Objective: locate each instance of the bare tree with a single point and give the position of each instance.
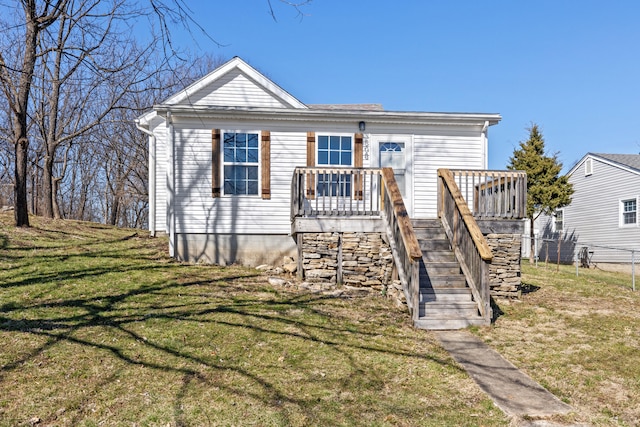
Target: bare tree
(78, 55)
(16, 82)
(6, 164)
(83, 79)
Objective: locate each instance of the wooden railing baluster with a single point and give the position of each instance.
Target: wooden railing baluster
(407, 253)
(469, 245)
(495, 194)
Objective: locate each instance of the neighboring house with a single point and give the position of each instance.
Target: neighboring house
(223, 153)
(602, 224)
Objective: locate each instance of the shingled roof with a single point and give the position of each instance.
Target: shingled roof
(351, 107)
(628, 160)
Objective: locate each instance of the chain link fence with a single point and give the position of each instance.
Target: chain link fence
(583, 255)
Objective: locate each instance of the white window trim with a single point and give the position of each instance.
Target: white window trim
(330, 134)
(223, 163)
(553, 221)
(588, 167)
(621, 223)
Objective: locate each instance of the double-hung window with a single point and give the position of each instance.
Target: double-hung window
(629, 212)
(335, 150)
(240, 163)
(558, 221)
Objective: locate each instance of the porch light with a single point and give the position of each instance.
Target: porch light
(362, 126)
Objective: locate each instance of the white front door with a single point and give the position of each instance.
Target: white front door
(392, 153)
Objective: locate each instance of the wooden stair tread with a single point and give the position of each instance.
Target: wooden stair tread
(449, 323)
(445, 300)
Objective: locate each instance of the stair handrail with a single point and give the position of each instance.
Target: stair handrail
(404, 243)
(469, 244)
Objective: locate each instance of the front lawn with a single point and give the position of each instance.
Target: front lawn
(577, 336)
(99, 327)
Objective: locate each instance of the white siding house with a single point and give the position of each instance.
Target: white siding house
(602, 219)
(223, 152)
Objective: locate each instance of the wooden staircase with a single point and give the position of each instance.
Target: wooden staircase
(446, 301)
(438, 294)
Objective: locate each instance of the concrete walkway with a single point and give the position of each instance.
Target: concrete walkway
(510, 389)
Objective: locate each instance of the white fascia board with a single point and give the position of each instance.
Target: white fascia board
(145, 119)
(251, 72)
(383, 117)
(578, 164)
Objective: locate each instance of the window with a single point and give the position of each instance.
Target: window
(334, 150)
(629, 212)
(558, 221)
(240, 163)
(588, 167)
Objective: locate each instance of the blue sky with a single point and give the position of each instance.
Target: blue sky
(571, 67)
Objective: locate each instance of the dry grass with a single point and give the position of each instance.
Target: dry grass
(579, 337)
(99, 327)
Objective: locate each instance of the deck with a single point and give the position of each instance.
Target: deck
(443, 265)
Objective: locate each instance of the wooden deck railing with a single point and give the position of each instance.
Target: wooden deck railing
(335, 191)
(407, 253)
(470, 246)
(493, 194)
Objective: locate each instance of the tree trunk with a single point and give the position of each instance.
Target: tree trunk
(47, 187)
(57, 213)
(20, 108)
(115, 207)
(532, 242)
(21, 211)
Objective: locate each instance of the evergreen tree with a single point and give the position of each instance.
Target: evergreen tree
(546, 189)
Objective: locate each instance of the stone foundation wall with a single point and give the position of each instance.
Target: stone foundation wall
(320, 257)
(353, 259)
(365, 260)
(504, 272)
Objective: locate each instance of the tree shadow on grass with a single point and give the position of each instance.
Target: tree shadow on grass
(231, 307)
(134, 311)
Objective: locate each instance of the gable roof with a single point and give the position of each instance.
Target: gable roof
(629, 162)
(236, 64)
(189, 102)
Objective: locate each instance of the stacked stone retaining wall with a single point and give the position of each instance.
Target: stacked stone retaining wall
(365, 260)
(504, 271)
(354, 259)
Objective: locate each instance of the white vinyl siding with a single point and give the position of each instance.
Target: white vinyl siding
(429, 148)
(237, 90)
(159, 130)
(198, 212)
(431, 152)
(550, 240)
(593, 217)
